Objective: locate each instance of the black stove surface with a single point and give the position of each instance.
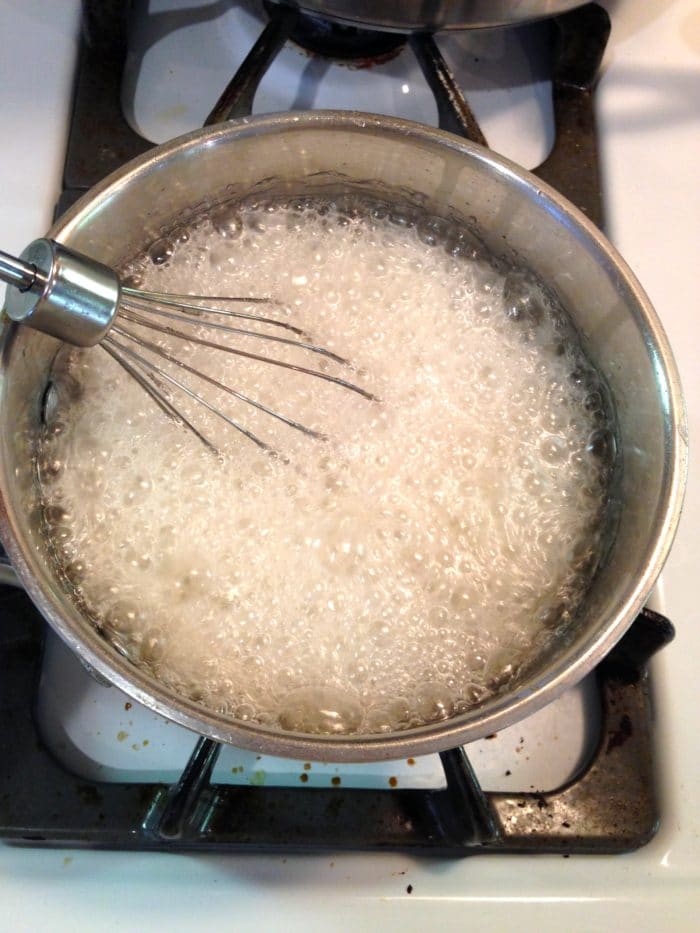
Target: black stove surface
(611, 806)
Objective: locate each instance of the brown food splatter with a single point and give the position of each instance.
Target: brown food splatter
(619, 736)
(127, 706)
(393, 782)
(304, 777)
(335, 781)
(410, 761)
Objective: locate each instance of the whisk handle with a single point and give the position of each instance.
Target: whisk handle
(61, 292)
(13, 271)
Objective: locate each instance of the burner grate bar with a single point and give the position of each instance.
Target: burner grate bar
(610, 807)
(454, 113)
(237, 98)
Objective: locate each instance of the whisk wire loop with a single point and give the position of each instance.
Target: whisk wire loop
(156, 395)
(186, 303)
(236, 351)
(77, 299)
(127, 312)
(157, 372)
(163, 354)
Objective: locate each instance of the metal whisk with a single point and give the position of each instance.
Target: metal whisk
(81, 301)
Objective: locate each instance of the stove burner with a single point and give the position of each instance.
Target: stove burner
(610, 807)
(349, 45)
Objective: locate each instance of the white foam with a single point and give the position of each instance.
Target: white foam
(401, 571)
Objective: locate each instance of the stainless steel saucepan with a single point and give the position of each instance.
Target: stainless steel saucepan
(515, 215)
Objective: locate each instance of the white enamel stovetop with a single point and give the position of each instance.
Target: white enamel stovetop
(649, 112)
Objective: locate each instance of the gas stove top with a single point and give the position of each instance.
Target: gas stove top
(188, 52)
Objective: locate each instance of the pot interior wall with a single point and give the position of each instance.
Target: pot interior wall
(515, 220)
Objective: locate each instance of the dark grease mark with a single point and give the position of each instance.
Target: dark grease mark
(89, 794)
(619, 736)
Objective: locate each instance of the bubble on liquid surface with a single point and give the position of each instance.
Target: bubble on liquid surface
(398, 573)
(321, 710)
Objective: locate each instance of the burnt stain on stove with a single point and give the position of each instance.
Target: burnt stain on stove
(342, 44)
(335, 805)
(89, 795)
(618, 737)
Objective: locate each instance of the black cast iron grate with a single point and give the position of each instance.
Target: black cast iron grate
(610, 807)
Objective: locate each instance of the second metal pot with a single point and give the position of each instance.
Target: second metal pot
(419, 16)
